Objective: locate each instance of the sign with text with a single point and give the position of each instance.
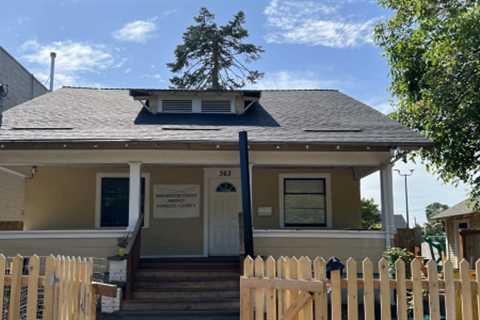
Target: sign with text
(176, 201)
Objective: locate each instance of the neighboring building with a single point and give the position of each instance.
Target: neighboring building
(100, 158)
(462, 224)
(22, 86)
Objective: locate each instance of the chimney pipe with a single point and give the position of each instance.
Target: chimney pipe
(53, 55)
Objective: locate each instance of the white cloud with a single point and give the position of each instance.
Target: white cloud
(73, 60)
(312, 23)
(295, 80)
(136, 31)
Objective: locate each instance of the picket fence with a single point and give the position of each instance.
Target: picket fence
(58, 288)
(290, 288)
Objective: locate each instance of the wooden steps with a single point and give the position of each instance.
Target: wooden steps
(193, 288)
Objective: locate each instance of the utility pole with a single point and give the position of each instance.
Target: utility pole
(405, 176)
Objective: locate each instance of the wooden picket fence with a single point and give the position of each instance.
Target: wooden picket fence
(290, 288)
(61, 288)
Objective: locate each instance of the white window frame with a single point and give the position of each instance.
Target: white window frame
(98, 197)
(328, 197)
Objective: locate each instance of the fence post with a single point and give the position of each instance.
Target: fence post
(402, 308)
(281, 263)
(246, 303)
(321, 303)
(477, 272)
(32, 291)
(15, 287)
(271, 293)
(416, 267)
(49, 288)
(385, 298)
(305, 273)
(336, 295)
(259, 293)
(368, 293)
(434, 299)
(2, 279)
(467, 313)
(352, 287)
(450, 301)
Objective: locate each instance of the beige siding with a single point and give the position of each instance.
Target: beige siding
(345, 196)
(174, 236)
(99, 248)
(12, 193)
(323, 247)
(65, 197)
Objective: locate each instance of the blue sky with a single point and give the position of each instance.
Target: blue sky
(308, 44)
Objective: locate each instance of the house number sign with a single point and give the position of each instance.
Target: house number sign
(176, 201)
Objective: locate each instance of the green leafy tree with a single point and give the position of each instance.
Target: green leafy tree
(433, 209)
(433, 227)
(433, 48)
(370, 214)
(215, 57)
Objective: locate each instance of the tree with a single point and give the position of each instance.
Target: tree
(434, 227)
(215, 57)
(433, 209)
(370, 214)
(433, 48)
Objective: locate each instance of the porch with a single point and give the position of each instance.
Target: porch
(191, 201)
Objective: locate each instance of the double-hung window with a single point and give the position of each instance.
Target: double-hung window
(304, 202)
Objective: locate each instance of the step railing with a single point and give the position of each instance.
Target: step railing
(133, 252)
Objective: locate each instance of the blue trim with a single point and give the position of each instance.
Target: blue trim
(246, 201)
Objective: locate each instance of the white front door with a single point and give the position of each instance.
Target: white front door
(224, 204)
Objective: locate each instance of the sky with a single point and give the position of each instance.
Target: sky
(308, 44)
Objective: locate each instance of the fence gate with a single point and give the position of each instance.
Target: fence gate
(50, 288)
(291, 288)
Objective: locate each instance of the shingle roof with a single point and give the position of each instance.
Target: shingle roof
(460, 209)
(287, 116)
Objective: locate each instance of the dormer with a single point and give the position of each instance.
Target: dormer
(171, 101)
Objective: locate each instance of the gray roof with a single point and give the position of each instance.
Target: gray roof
(460, 209)
(280, 116)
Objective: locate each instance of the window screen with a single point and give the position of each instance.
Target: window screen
(304, 202)
(177, 106)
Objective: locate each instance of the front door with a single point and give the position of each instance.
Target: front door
(224, 204)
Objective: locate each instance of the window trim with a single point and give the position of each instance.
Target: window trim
(328, 198)
(98, 197)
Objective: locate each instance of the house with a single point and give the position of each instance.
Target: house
(19, 86)
(462, 224)
(95, 161)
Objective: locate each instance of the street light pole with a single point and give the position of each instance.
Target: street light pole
(405, 176)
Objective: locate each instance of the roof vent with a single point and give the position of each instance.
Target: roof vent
(216, 106)
(177, 106)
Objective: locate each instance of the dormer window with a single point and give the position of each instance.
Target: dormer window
(217, 106)
(177, 106)
(196, 101)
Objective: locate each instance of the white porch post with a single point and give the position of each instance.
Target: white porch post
(134, 194)
(386, 184)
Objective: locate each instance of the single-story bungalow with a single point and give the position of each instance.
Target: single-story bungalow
(204, 172)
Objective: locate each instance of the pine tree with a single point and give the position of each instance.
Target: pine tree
(214, 57)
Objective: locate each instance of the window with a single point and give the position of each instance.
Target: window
(304, 202)
(216, 106)
(113, 202)
(226, 187)
(177, 106)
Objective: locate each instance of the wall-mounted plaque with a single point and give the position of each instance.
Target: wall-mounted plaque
(176, 201)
